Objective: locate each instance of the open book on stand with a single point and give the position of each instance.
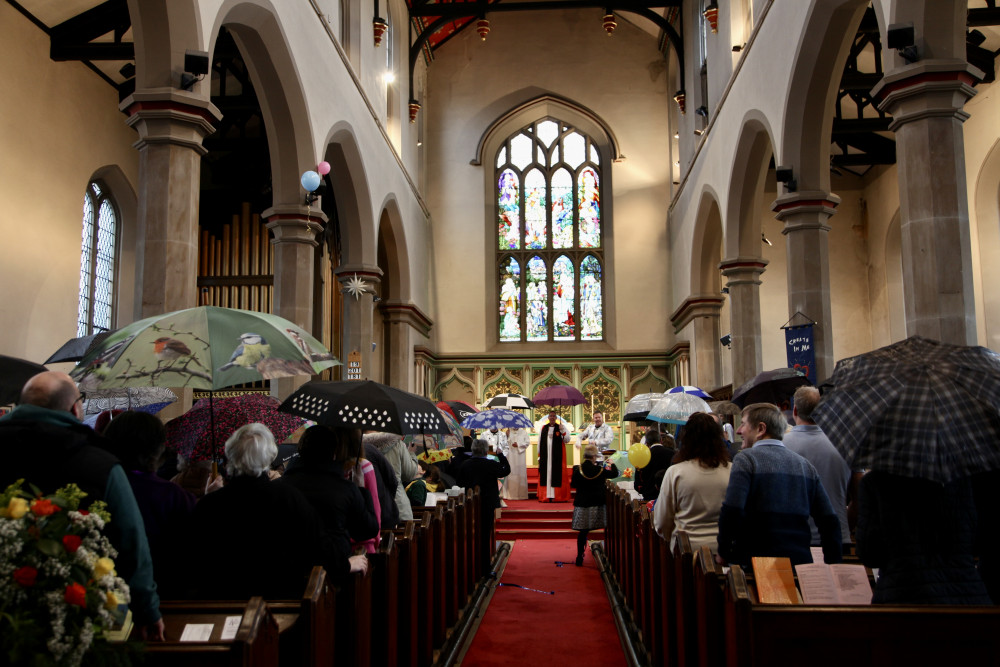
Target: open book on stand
(841, 583)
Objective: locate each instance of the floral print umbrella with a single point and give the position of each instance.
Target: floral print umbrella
(191, 434)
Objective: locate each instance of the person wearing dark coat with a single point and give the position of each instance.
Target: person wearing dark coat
(385, 475)
(551, 453)
(590, 503)
(253, 536)
(660, 456)
(922, 537)
(347, 512)
(485, 473)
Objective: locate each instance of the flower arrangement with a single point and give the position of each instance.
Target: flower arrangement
(58, 589)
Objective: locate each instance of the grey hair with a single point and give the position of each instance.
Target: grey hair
(480, 447)
(769, 415)
(250, 450)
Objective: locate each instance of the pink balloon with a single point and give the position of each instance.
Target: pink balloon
(323, 168)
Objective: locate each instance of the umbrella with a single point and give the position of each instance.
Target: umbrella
(14, 373)
(560, 395)
(142, 399)
(194, 436)
(725, 408)
(453, 438)
(918, 408)
(365, 404)
(639, 406)
(203, 348)
(770, 387)
(688, 389)
(496, 418)
(676, 408)
(457, 409)
(76, 348)
(510, 402)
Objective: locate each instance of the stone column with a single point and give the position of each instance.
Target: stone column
(294, 228)
(171, 127)
(807, 246)
(743, 274)
(926, 100)
(402, 318)
(359, 284)
(703, 311)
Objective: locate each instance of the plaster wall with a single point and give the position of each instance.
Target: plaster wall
(622, 79)
(58, 127)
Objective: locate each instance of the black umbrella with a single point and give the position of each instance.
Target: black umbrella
(14, 373)
(76, 348)
(918, 408)
(366, 405)
(510, 402)
(770, 387)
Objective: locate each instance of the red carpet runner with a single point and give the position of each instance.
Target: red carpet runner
(524, 627)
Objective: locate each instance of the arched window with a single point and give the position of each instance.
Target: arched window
(550, 235)
(97, 261)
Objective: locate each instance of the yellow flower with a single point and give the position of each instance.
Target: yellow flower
(111, 600)
(17, 508)
(103, 566)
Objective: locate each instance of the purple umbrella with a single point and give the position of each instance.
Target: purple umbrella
(560, 395)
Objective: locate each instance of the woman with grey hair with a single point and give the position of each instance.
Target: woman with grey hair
(253, 537)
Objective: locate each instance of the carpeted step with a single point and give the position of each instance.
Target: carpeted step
(543, 534)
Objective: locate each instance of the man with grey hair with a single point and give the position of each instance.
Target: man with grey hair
(46, 444)
(808, 441)
(485, 472)
(772, 493)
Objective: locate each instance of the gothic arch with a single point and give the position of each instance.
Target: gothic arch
(986, 211)
(354, 207)
(706, 245)
(162, 30)
(752, 153)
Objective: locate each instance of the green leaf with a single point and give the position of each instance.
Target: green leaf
(51, 547)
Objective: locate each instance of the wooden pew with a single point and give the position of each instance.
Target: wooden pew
(386, 594)
(473, 555)
(354, 614)
(462, 563)
(450, 558)
(687, 637)
(644, 582)
(861, 636)
(434, 570)
(407, 607)
(709, 584)
(426, 583)
(666, 598)
(255, 643)
(308, 626)
(657, 600)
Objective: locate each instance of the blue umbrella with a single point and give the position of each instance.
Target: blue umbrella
(688, 389)
(496, 418)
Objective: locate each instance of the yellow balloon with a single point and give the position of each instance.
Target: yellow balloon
(638, 455)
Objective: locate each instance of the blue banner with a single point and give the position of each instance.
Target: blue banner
(800, 352)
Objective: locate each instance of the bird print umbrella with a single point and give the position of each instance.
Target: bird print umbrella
(203, 348)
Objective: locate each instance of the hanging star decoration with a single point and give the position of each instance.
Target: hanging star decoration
(356, 287)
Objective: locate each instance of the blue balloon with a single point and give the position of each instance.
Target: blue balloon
(310, 180)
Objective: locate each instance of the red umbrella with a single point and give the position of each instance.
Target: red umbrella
(560, 395)
(457, 409)
(192, 436)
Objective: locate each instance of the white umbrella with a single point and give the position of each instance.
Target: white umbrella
(676, 408)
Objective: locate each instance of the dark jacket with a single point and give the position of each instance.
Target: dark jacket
(484, 473)
(588, 480)
(51, 449)
(253, 537)
(921, 535)
(346, 512)
(660, 457)
(558, 452)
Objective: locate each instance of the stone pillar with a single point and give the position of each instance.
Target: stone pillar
(805, 215)
(743, 274)
(171, 127)
(294, 228)
(703, 311)
(926, 100)
(359, 284)
(402, 318)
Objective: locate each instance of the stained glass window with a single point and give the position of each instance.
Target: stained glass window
(548, 174)
(97, 262)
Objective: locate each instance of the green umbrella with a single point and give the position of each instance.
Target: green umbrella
(203, 348)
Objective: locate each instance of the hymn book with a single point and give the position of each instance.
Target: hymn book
(775, 580)
(841, 583)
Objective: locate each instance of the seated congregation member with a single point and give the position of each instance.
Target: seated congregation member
(253, 536)
(485, 473)
(693, 488)
(45, 443)
(772, 493)
(140, 440)
(387, 484)
(427, 481)
(345, 506)
(590, 503)
(192, 476)
(922, 537)
(404, 466)
(660, 456)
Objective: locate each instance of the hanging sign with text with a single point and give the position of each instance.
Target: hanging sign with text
(353, 366)
(800, 351)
